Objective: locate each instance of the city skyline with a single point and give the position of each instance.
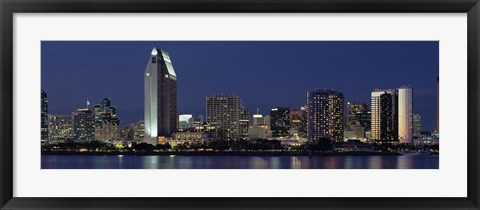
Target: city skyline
(128, 116)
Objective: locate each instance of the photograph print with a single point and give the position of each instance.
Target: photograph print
(239, 105)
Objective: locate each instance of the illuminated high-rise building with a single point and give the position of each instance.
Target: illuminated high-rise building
(405, 115)
(136, 131)
(280, 122)
(303, 129)
(356, 112)
(44, 118)
(296, 118)
(417, 125)
(161, 117)
(224, 114)
(384, 123)
(325, 115)
(107, 124)
(357, 120)
(257, 119)
(244, 122)
(83, 125)
(59, 128)
(388, 117)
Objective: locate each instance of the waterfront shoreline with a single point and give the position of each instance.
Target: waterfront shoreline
(201, 153)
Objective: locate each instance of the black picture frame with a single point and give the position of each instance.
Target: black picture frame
(10, 7)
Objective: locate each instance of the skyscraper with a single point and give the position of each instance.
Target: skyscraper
(136, 131)
(325, 115)
(296, 118)
(355, 113)
(280, 122)
(83, 125)
(59, 128)
(106, 121)
(388, 117)
(405, 115)
(384, 123)
(357, 120)
(44, 118)
(417, 125)
(303, 129)
(244, 122)
(257, 119)
(161, 116)
(224, 113)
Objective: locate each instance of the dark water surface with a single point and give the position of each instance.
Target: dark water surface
(237, 162)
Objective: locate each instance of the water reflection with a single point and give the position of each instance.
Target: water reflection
(238, 162)
(295, 163)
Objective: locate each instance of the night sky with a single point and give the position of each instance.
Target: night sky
(263, 74)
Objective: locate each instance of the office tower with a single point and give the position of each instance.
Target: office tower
(296, 118)
(223, 113)
(161, 116)
(384, 123)
(136, 131)
(388, 118)
(405, 112)
(355, 114)
(44, 118)
(244, 122)
(364, 119)
(280, 122)
(303, 129)
(59, 128)
(257, 119)
(83, 125)
(325, 115)
(267, 121)
(417, 125)
(258, 129)
(357, 120)
(106, 121)
(185, 121)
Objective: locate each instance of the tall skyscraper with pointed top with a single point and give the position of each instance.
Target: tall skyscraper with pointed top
(161, 116)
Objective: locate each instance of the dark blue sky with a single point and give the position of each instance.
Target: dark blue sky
(263, 74)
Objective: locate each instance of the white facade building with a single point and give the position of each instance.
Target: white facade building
(161, 118)
(405, 115)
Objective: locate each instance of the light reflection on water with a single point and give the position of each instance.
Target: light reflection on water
(237, 162)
